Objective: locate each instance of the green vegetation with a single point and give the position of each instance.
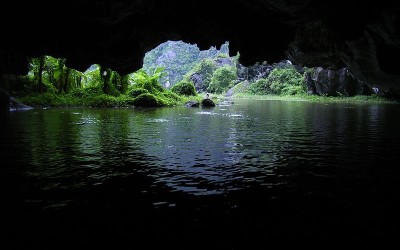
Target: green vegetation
(222, 79)
(315, 98)
(184, 88)
(281, 81)
(50, 83)
(205, 68)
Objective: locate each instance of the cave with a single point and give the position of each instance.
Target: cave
(117, 34)
(232, 176)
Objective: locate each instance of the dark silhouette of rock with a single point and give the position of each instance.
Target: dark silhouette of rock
(310, 84)
(334, 82)
(207, 103)
(17, 106)
(4, 101)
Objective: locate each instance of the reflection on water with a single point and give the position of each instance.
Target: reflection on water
(239, 176)
(200, 152)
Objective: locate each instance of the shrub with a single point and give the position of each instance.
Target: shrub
(286, 81)
(261, 86)
(222, 79)
(146, 100)
(241, 87)
(184, 88)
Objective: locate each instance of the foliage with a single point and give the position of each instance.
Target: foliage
(92, 76)
(222, 79)
(222, 55)
(150, 82)
(146, 100)
(135, 92)
(50, 83)
(286, 81)
(104, 100)
(241, 87)
(205, 68)
(43, 100)
(148, 90)
(184, 88)
(168, 98)
(261, 86)
(281, 81)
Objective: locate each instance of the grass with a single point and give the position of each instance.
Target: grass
(321, 99)
(103, 100)
(93, 100)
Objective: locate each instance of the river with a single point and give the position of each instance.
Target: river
(248, 175)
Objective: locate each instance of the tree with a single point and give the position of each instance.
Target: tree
(222, 79)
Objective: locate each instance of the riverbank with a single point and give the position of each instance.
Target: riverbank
(47, 100)
(321, 99)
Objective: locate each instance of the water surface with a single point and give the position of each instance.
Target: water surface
(292, 169)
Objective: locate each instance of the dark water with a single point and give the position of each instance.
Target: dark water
(250, 175)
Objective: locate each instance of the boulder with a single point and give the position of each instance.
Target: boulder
(207, 103)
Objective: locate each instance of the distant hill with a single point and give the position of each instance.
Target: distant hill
(178, 58)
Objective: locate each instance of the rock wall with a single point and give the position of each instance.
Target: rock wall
(334, 83)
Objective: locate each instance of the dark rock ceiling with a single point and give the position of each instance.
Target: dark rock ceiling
(362, 35)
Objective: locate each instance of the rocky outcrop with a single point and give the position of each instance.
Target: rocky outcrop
(334, 83)
(17, 106)
(178, 58)
(198, 81)
(369, 53)
(220, 62)
(8, 103)
(255, 72)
